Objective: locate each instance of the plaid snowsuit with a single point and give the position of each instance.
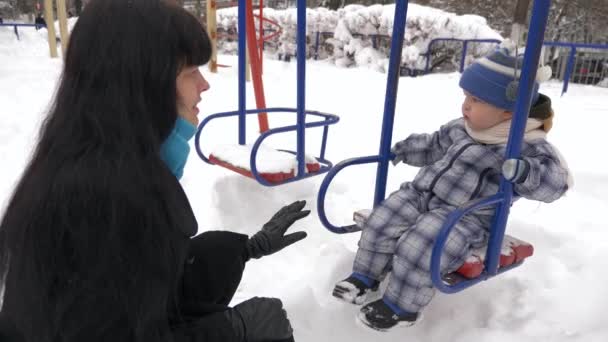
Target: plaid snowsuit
(455, 169)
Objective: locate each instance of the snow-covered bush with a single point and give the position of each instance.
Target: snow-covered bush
(359, 35)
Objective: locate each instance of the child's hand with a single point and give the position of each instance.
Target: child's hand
(515, 170)
(395, 157)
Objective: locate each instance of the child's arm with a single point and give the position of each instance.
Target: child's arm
(424, 149)
(541, 176)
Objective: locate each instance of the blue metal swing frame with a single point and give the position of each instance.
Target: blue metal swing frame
(300, 110)
(502, 199)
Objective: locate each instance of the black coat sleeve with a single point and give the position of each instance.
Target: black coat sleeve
(210, 328)
(213, 269)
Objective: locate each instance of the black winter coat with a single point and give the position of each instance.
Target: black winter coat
(212, 266)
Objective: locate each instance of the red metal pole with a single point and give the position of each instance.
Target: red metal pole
(256, 71)
(261, 44)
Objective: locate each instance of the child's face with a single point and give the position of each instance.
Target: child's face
(481, 115)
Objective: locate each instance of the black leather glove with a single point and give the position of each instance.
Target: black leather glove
(272, 237)
(260, 319)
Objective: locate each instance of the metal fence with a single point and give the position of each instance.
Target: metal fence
(578, 63)
(16, 26)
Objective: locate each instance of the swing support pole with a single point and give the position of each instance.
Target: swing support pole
(390, 100)
(538, 24)
(504, 197)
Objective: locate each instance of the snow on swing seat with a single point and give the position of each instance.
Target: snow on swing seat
(273, 165)
(513, 251)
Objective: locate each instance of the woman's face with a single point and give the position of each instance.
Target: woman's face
(190, 85)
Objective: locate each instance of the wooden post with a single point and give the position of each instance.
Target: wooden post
(49, 17)
(212, 29)
(63, 25)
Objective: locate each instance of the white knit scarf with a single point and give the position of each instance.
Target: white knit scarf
(499, 134)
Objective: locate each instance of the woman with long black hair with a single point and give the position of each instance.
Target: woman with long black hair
(96, 242)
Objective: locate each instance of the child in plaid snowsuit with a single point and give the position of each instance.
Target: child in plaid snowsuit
(461, 162)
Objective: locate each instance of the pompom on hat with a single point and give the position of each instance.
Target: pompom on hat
(494, 78)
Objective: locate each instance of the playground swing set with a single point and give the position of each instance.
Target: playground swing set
(274, 167)
(503, 252)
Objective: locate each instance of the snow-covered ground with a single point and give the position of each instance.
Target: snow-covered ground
(557, 295)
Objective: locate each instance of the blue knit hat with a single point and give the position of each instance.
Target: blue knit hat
(494, 78)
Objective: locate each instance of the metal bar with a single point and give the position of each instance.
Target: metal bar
(261, 40)
(242, 48)
(596, 70)
(324, 142)
(328, 119)
(463, 56)
(21, 25)
(255, 60)
(586, 65)
(443, 235)
(325, 185)
(253, 163)
(317, 45)
(569, 68)
(464, 49)
(538, 24)
(428, 56)
(577, 45)
(392, 85)
(301, 96)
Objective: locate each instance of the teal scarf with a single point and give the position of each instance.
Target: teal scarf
(174, 151)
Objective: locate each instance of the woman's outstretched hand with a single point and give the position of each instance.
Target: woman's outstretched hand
(272, 237)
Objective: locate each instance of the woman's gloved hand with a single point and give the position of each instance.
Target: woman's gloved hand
(260, 319)
(272, 237)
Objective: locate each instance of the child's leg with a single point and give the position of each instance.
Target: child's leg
(377, 244)
(386, 224)
(410, 286)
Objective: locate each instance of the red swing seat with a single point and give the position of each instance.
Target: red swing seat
(513, 251)
(273, 165)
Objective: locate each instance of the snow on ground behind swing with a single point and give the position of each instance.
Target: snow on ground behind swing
(557, 295)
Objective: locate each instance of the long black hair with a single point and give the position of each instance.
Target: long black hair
(87, 222)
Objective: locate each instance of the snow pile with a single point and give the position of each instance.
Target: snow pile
(360, 35)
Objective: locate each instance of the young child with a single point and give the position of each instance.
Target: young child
(461, 162)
